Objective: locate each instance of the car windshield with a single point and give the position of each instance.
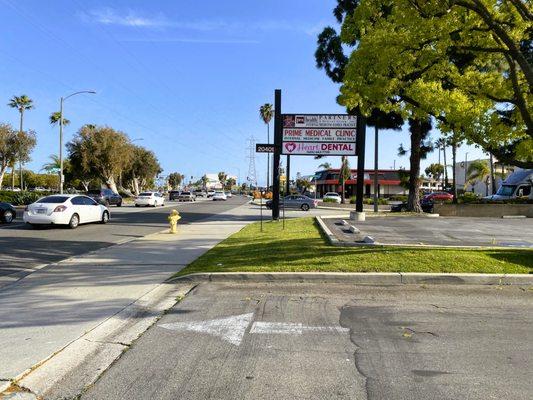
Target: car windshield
(146, 194)
(53, 199)
(332, 194)
(186, 193)
(219, 193)
(506, 190)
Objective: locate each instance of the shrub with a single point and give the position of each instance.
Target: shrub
(468, 197)
(329, 200)
(401, 198)
(20, 198)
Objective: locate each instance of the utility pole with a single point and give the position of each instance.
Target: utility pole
(376, 187)
(252, 175)
(466, 169)
(278, 132)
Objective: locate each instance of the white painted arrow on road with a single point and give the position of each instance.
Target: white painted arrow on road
(232, 329)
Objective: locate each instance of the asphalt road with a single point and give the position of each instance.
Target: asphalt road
(23, 247)
(275, 341)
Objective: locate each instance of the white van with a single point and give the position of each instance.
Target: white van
(518, 184)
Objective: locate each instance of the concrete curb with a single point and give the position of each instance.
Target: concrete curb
(329, 235)
(361, 278)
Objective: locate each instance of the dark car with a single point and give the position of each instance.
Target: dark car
(425, 204)
(105, 197)
(173, 195)
(7, 213)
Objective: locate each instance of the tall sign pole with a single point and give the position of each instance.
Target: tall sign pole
(361, 138)
(278, 132)
(288, 177)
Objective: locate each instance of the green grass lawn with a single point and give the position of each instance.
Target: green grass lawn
(301, 248)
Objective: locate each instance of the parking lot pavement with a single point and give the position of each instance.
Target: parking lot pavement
(329, 341)
(442, 231)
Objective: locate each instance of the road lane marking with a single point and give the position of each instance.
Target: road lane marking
(293, 328)
(232, 329)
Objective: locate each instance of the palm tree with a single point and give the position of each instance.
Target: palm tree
(266, 111)
(21, 103)
(55, 117)
(442, 143)
(52, 166)
(222, 177)
(325, 165)
(479, 170)
(204, 180)
(344, 175)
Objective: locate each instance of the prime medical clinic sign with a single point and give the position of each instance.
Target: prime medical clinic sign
(319, 134)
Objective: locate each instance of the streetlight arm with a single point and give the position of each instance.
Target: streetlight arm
(80, 92)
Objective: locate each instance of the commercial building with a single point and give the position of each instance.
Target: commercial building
(388, 182)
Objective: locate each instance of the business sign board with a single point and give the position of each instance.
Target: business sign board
(332, 121)
(265, 148)
(322, 149)
(319, 134)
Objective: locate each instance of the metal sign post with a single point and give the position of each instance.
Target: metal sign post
(278, 131)
(361, 135)
(261, 212)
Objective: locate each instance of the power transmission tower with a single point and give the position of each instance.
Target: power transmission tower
(252, 174)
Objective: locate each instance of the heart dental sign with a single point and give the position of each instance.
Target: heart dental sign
(323, 149)
(319, 134)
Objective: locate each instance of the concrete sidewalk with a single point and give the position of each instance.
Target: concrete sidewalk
(53, 307)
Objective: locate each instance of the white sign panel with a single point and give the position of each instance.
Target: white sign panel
(312, 149)
(319, 135)
(320, 121)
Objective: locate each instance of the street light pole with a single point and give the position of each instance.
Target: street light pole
(466, 166)
(61, 178)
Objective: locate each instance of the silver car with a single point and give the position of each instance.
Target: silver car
(297, 201)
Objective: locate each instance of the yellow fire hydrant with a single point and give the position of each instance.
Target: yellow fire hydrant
(173, 219)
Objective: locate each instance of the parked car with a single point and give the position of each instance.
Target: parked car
(173, 195)
(7, 213)
(438, 197)
(153, 199)
(186, 196)
(518, 184)
(229, 195)
(200, 193)
(333, 196)
(68, 209)
(219, 196)
(301, 202)
(105, 197)
(210, 193)
(426, 205)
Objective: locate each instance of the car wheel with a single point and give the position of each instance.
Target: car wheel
(137, 205)
(119, 204)
(8, 216)
(105, 217)
(305, 207)
(74, 221)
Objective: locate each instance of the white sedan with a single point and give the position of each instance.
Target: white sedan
(65, 209)
(219, 196)
(153, 199)
(335, 197)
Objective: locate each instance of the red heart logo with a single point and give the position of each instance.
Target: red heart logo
(290, 147)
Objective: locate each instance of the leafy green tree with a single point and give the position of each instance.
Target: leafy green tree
(53, 166)
(204, 180)
(8, 154)
(22, 103)
(143, 168)
(175, 179)
(100, 152)
(230, 183)
(465, 62)
(478, 170)
(222, 177)
(303, 185)
(325, 165)
(266, 112)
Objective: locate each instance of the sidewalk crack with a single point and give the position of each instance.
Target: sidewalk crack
(105, 342)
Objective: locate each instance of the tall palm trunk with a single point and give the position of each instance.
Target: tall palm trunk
(454, 177)
(20, 155)
(413, 201)
(446, 183)
(268, 158)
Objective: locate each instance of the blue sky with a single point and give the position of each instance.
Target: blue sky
(187, 77)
